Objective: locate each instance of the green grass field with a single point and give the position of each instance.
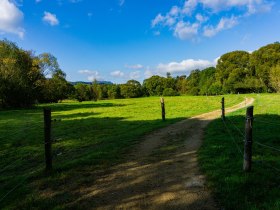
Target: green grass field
(222, 161)
(87, 137)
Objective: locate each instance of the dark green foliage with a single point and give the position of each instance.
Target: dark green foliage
(262, 60)
(169, 92)
(232, 69)
(132, 89)
(83, 92)
(207, 78)
(154, 85)
(19, 76)
(23, 77)
(114, 91)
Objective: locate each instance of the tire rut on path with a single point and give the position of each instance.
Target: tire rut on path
(157, 174)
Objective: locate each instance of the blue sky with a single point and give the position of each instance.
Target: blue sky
(118, 40)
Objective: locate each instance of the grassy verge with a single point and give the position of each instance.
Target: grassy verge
(87, 137)
(221, 159)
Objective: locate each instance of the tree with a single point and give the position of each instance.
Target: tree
(132, 89)
(114, 91)
(206, 79)
(181, 84)
(169, 92)
(19, 76)
(193, 82)
(56, 88)
(154, 85)
(274, 76)
(82, 92)
(262, 60)
(232, 68)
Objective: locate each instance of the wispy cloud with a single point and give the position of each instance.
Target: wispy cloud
(91, 74)
(136, 66)
(11, 18)
(186, 30)
(225, 23)
(135, 75)
(50, 18)
(187, 20)
(118, 74)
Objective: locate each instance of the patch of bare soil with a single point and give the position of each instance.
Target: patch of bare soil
(158, 175)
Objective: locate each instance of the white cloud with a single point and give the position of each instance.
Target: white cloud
(189, 6)
(91, 75)
(50, 18)
(184, 66)
(117, 74)
(216, 60)
(11, 18)
(148, 73)
(185, 30)
(158, 19)
(200, 18)
(136, 66)
(175, 11)
(252, 6)
(225, 23)
(189, 20)
(135, 75)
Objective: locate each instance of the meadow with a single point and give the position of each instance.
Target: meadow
(221, 157)
(87, 136)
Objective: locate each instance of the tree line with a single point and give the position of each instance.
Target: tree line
(27, 79)
(235, 72)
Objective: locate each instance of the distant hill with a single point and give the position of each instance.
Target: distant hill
(89, 83)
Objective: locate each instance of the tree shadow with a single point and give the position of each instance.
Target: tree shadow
(81, 105)
(95, 167)
(221, 158)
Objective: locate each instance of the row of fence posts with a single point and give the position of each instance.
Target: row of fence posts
(247, 146)
(248, 141)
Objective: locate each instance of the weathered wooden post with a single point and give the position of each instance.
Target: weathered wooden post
(247, 164)
(162, 108)
(48, 143)
(223, 108)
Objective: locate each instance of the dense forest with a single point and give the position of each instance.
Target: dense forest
(27, 79)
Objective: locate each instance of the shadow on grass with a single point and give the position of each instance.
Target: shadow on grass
(222, 161)
(80, 145)
(81, 105)
(94, 168)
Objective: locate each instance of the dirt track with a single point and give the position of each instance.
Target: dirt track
(158, 175)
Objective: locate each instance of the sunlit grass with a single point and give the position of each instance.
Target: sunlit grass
(222, 162)
(87, 136)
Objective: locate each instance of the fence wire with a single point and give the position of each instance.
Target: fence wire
(233, 139)
(235, 126)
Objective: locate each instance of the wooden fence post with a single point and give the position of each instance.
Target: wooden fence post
(48, 143)
(162, 108)
(247, 164)
(223, 108)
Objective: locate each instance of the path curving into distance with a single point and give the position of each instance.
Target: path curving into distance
(158, 175)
